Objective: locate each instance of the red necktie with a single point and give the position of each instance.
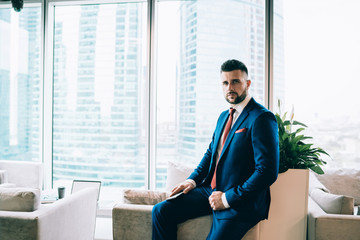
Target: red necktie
(226, 133)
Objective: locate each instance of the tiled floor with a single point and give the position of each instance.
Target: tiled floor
(103, 229)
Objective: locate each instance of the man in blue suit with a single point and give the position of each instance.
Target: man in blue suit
(233, 178)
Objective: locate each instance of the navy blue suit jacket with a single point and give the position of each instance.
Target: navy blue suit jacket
(248, 164)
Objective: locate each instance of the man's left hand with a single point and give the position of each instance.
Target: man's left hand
(215, 201)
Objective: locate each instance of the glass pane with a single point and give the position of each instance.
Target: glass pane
(20, 84)
(278, 61)
(193, 39)
(99, 74)
(321, 55)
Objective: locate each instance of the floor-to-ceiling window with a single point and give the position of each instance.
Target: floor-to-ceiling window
(322, 58)
(99, 100)
(20, 83)
(193, 39)
(101, 58)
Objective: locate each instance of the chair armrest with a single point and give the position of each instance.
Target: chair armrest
(132, 221)
(334, 227)
(72, 217)
(331, 226)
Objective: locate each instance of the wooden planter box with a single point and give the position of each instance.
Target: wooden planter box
(289, 207)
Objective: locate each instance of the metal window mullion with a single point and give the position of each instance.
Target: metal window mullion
(151, 107)
(42, 99)
(269, 52)
(48, 95)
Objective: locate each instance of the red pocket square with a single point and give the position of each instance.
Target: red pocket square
(241, 130)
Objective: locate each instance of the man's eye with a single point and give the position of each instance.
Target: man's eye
(225, 83)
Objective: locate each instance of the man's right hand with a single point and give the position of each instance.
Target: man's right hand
(185, 186)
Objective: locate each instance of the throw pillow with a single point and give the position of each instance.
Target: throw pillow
(334, 204)
(19, 199)
(176, 173)
(343, 181)
(3, 176)
(146, 197)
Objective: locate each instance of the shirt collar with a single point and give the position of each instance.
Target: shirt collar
(240, 106)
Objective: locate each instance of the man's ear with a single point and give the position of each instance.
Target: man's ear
(248, 83)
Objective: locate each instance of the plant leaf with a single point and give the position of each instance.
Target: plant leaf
(299, 123)
(299, 130)
(317, 169)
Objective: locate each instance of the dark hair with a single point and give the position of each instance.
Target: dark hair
(233, 64)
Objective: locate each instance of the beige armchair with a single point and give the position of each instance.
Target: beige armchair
(331, 214)
(70, 218)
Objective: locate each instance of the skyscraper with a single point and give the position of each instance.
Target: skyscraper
(20, 83)
(211, 34)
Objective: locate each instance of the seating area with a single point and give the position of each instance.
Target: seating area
(327, 210)
(132, 218)
(22, 216)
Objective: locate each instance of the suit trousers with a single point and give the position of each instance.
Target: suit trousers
(168, 214)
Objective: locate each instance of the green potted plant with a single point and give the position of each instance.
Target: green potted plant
(294, 152)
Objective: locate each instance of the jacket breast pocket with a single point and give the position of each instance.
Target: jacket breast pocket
(242, 130)
(241, 139)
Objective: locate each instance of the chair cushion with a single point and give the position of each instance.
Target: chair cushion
(342, 182)
(145, 197)
(177, 173)
(19, 199)
(331, 203)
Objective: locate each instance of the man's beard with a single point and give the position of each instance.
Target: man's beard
(238, 98)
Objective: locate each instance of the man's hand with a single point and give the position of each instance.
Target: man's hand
(185, 186)
(215, 201)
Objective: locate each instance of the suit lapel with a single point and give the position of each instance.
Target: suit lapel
(244, 114)
(222, 123)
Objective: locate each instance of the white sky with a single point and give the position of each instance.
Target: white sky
(322, 56)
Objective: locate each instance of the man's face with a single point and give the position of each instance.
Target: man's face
(235, 86)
